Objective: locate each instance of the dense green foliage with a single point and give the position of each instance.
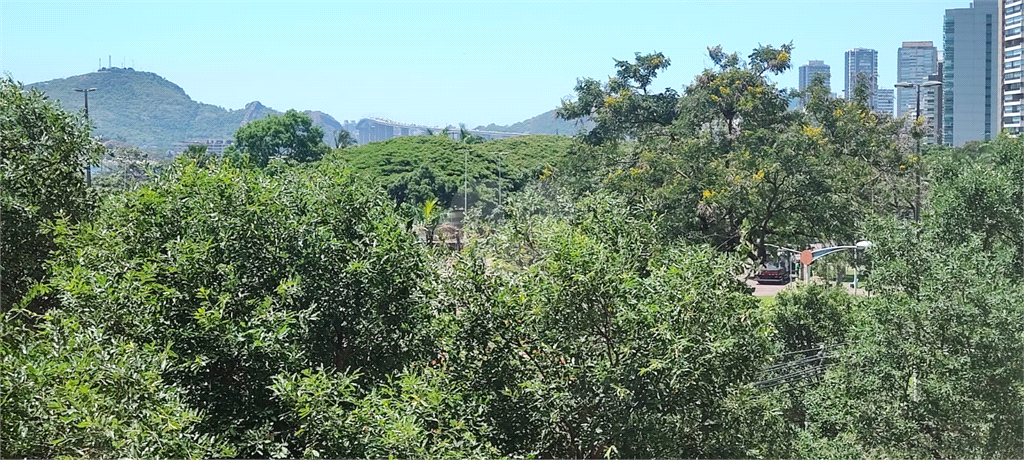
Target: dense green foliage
(72, 390)
(43, 154)
(216, 309)
(417, 168)
(246, 276)
(585, 349)
(291, 136)
(726, 163)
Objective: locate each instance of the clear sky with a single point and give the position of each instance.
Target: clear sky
(436, 63)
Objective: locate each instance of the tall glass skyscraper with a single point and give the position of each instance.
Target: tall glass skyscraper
(884, 101)
(862, 64)
(916, 62)
(809, 70)
(970, 75)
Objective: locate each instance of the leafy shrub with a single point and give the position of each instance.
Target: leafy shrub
(72, 390)
(43, 152)
(245, 276)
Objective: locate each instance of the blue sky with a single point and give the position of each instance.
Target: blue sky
(436, 63)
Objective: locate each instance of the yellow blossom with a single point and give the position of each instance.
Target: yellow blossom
(811, 131)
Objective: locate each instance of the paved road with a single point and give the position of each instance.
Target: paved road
(766, 290)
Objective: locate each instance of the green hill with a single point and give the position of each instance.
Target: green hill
(545, 123)
(147, 110)
(411, 165)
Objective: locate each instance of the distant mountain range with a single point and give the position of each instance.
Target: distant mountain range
(545, 123)
(148, 111)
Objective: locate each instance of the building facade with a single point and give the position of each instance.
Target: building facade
(378, 129)
(970, 93)
(916, 61)
(862, 65)
(931, 108)
(884, 101)
(1011, 20)
(214, 146)
(807, 73)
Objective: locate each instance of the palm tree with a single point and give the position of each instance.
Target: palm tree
(431, 218)
(343, 139)
(467, 137)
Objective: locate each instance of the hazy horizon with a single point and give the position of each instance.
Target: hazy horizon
(435, 63)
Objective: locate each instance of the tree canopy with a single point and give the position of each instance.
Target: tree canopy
(291, 136)
(44, 151)
(216, 309)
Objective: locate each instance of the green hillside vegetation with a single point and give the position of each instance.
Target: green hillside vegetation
(417, 168)
(148, 111)
(545, 123)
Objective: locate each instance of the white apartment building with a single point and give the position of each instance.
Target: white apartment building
(1011, 95)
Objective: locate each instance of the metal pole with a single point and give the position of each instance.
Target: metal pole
(88, 167)
(917, 170)
(856, 269)
(465, 185)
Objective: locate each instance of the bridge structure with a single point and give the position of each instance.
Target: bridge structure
(379, 129)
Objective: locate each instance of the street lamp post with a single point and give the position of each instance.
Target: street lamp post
(917, 116)
(856, 265)
(88, 168)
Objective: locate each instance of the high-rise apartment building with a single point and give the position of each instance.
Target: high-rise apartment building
(915, 62)
(812, 68)
(884, 101)
(862, 65)
(807, 73)
(931, 108)
(970, 74)
(1011, 19)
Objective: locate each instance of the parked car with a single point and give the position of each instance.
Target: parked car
(773, 273)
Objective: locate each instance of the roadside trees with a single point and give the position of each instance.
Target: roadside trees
(726, 163)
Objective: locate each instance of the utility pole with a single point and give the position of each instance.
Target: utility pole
(917, 151)
(88, 167)
(465, 183)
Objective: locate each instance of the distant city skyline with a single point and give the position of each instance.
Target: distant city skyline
(436, 63)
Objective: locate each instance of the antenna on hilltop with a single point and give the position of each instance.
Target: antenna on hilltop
(108, 61)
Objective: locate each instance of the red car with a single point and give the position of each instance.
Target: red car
(773, 273)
